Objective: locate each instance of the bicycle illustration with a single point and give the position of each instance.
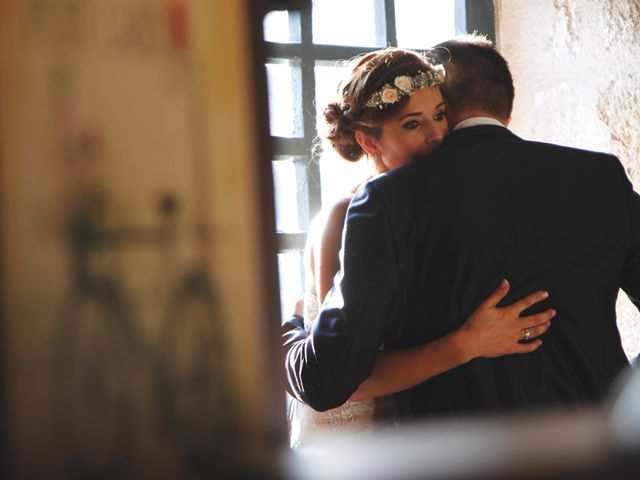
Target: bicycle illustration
(110, 372)
(101, 356)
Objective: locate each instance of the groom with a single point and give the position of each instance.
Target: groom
(426, 243)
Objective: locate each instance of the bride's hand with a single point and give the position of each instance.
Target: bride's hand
(493, 331)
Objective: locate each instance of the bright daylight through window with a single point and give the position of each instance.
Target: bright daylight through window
(306, 51)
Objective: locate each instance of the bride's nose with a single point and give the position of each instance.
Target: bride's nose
(434, 137)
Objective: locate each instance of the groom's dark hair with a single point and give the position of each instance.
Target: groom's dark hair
(478, 77)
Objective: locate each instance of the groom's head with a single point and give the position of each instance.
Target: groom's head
(478, 81)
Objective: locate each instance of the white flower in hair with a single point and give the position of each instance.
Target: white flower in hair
(439, 73)
(389, 94)
(404, 83)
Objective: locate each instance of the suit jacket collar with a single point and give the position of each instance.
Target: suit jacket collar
(478, 131)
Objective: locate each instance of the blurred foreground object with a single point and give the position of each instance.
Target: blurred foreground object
(553, 445)
(139, 313)
(581, 444)
(625, 410)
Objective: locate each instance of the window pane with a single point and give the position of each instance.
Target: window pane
(282, 27)
(291, 194)
(284, 81)
(290, 269)
(424, 23)
(345, 22)
(338, 177)
(328, 76)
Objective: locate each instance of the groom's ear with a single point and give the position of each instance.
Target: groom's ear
(506, 124)
(368, 144)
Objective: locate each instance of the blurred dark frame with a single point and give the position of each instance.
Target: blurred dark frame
(276, 426)
(256, 10)
(4, 413)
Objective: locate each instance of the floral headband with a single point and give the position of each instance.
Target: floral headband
(406, 85)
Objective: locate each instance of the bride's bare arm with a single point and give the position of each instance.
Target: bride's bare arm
(489, 332)
(326, 247)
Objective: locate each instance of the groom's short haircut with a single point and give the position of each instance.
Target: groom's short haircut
(478, 77)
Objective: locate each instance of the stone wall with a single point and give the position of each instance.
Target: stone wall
(576, 69)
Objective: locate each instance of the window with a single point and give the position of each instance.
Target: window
(304, 49)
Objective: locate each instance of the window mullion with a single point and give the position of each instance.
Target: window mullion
(390, 21)
(291, 241)
(480, 16)
(307, 62)
(385, 16)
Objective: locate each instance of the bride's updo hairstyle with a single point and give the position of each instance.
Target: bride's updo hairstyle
(362, 104)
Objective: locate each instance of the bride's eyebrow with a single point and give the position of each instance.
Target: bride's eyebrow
(409, 115)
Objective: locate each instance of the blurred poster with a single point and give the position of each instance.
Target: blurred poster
(135, 340)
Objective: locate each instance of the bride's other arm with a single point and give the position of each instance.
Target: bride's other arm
(490, 331)
(324, 246)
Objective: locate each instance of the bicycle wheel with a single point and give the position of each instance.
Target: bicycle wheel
(196, 407)
(91, 389)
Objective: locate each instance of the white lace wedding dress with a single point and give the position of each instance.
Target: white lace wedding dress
(306, 426)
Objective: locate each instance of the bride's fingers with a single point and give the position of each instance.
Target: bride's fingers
(534, 331)
(539, 318)
(527, 301)
(527, 347)
(497, 295)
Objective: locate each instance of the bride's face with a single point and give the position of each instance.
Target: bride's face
(418, 127)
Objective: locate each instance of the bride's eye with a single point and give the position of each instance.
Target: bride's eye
(411, 125)
(439, 116)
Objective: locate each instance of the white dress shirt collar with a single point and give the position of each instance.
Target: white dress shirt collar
(475, 121)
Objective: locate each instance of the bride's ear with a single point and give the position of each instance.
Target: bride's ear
(368, 144)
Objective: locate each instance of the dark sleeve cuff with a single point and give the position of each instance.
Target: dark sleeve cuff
(294, 330)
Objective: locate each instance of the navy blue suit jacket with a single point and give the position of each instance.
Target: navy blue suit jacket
(425, 244)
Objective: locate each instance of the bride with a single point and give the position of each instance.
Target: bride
(389, 109)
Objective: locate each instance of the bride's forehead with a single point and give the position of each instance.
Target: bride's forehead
(427, 94)
(423, 99)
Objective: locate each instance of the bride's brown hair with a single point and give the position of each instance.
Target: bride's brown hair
(350, 113)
